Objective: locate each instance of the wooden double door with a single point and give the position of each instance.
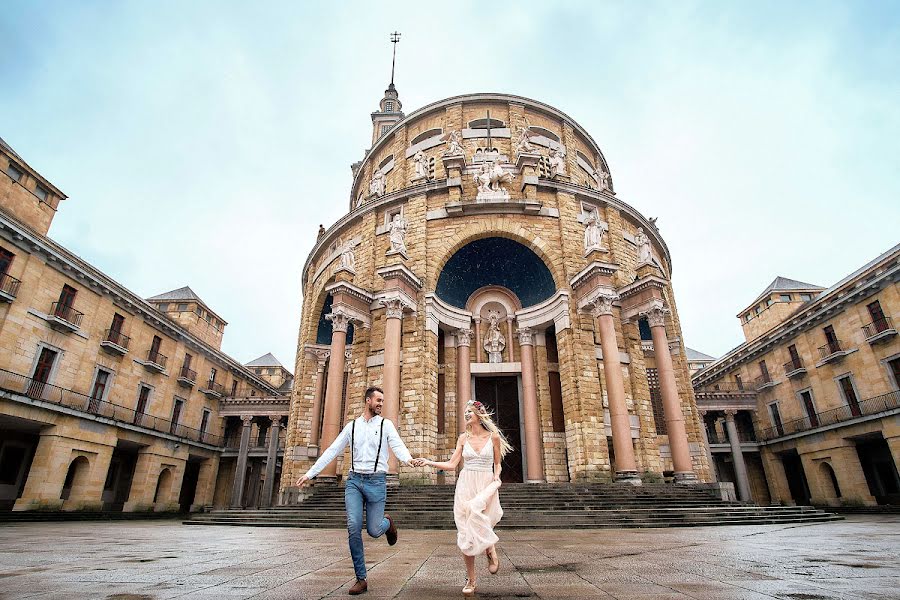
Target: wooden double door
(501, 397)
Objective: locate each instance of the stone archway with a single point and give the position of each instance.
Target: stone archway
(77, 477)
(163, 487)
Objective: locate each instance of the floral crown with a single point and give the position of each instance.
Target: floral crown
(477, 406)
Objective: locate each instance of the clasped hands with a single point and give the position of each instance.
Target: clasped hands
(420, 462)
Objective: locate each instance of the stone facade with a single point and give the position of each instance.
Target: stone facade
(407, 232)
(107, 400)
(818, 391)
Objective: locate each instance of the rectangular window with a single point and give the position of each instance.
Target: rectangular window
(809, 408)
(163, 307)
(740, 383)
(795, 356)
(117, 322)
(6, 258)
(41, 192)
(41, 374)
(389, 106)
(67, 296)
(98, 392)
(894, 369)
(212, 374)
(204, 423)
(14, 172)
(764, 371)
(877, 315)
(441, 403)
(769, 302)
(805, 297)
(556, 406)
(187, 361)
(182, 308)
(849, 394)
(234, 388)
(831, 339)
(784, 298)
(143, 401)
(776, 418)
(176, 414)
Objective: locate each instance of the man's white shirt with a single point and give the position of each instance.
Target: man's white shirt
(365, 446)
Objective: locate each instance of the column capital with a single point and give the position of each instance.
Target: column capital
(729, 414)
(339, 319)
(463, 336)
(603, 304)
(275, 421)
(321, 357)
(246, 419)
(526, 336)
(655, 313)
(394, 308)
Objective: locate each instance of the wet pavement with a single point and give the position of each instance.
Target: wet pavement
(856, 558)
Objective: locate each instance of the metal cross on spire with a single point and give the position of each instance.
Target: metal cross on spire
(395, 37)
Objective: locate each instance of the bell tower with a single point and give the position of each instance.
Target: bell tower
(389, 109)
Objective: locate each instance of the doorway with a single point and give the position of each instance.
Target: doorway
(796, 477)
(500, 395)
(879, 469)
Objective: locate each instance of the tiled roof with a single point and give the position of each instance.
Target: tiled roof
(266, 360)
(183, 293)
(697, 356)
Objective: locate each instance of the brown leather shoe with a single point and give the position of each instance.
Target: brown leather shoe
(359, 587)
(391, 533)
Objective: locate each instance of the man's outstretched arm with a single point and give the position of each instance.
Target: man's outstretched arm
(336, 447)
(396, 444)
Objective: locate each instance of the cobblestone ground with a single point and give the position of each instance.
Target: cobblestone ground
(856, 558)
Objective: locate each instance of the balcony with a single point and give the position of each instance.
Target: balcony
(831, 352)
(871, 406)
(879, 331)
(22, 386)
(9, 288)
(213, 389)
(63, 317)
(763, 382)
(155, 362)
(794, 368)
(187, 377)
(115, 342)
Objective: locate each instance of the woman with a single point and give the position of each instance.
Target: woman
(476, 505)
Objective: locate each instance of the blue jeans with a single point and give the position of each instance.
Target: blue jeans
(367, 490)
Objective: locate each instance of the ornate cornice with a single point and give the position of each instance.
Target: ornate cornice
(641, 284)
(400, 272)
(594, 268)
(602, 304)
(343, 287)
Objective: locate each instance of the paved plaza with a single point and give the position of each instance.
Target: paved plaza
(856, 558)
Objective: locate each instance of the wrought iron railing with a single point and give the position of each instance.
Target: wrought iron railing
(761, 381)
(9, 285)
(188, 374)
(870, 406)
(116, 337)
(156, 358)
(877, 326)
(45, 392)
(832, 347)
(793, 365)
(214, 386)
(66, 313)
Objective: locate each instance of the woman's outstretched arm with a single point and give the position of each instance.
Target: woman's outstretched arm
(454, 460)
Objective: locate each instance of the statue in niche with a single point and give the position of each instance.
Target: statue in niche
(593, 232)
(643, 244)
(524, 145)
(454, 144)
(397, 235)
(490, 179)
(421, 165)
(348, 258)
(557, 161)
(494, 343)
(602, 178)
(376, 186)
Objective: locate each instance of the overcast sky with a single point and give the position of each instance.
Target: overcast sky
(201, 143)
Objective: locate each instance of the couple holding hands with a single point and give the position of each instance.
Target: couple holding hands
(476, 504)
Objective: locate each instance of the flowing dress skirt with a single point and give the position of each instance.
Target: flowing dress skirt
(476, 510)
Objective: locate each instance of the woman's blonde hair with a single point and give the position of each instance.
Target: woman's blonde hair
(488, 423)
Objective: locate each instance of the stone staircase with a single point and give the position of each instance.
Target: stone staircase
(553, 506)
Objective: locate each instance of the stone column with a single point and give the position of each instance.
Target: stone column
(478, 348)
(331, 426)
(240, 469)
(463, 376)
(534, 453)
(509, 338)
(678, 442)
(321, 357)
(709, 455)
(393, 331)
(619, 420)
(271, 460)
(737, 456)
(206, 483)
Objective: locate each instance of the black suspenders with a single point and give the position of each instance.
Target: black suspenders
(352, 442)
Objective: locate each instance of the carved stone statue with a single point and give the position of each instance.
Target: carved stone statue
(494, 343)
(524, 145)
(490, 179)
(602, 178)
(557, 161)
(593, 233)
(643, 244)
(321, 232)
(398, 235)
(348, 258)
(421, 166)
(454, 144)
(376, 186)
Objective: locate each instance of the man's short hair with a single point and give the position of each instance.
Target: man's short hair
(371, 391)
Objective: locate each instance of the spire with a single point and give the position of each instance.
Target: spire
(389, 109)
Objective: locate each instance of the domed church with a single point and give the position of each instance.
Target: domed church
(486, 255)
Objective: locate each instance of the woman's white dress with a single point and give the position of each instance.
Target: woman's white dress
(476, 505)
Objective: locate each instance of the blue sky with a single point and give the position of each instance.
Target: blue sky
(202, 143)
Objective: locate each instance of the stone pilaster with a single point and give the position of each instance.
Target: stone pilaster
(534, 451)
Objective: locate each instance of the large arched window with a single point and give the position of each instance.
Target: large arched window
(495, 261)
(323, 333)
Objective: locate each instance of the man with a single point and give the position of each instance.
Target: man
(366, 485)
